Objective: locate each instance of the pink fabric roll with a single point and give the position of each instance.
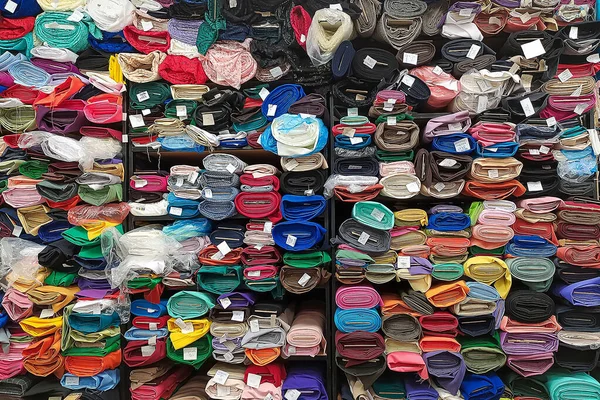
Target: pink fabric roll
(491, 236)
(489, 133)
(11, 363)
(404, 361)
(540, 205)
(531, 365)
(261, 392)
(230, 63)
(496, 217)
(17, 305)
(305, 337)
(357, 296)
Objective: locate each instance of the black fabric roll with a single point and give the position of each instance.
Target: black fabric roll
(56, 191)
(363, 166)
(576, 359)
(445, 65)
(345, 92)
(350, 232)
(299, 182)
(349, 8)
(185, 10)
(553, 46)
(513, 104)
(313, 104)
(586, 188)
(145, 197)
(457, 50)
(418, 302)
(579, 319)
(46, 389)
(241, 13)
(92, 60)
(56, 254)
(483, 61)
(417, 92)
(87, 91)
(572, 274)
(384, 69)
(528, 306)
(477, 325)
(423, 49)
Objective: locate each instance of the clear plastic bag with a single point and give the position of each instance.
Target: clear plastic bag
(111, 212)
(576, 166)
(355, 184)
(18, 260)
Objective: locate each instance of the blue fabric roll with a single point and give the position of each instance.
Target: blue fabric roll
(302, 208)
(453, 143)
(481, 291)
(291, 123)
(111, 42)
(188, 228)
(52, 232)
(143, 308)
(180, 143)
(419, 390)
(530, 246)
(449, 222)
(144, 334)
(90, 323)
(309, 235)
(182, 208)
(482, 387)
(105, 380)
(342, 59)
(343, 141)
(25, 8)
(283, 97)
(584, 293)
(497, 150)
(357, 319)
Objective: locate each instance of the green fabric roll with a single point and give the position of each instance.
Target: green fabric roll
(254, 92)
(58, 278)
(482, 354)
(157, 92)
(79, 236)
(399, 117)
(311, 259)
(8, 167)
(354, 255)
(97, 349)
(209, 30)
(3, 185)
(21, 45)
(535, 272)
(384, 156)
(171, 109)
(272, 285)
(91, 252)
(447, 271)
(373, 214)
(33, 169)
(56, 191)
(390, 385)
(204, 346)
(219, 279)
(474, 210)
(18, 119)
(108, 194)
(478, 251)
(526, 387)
(188, 304)
(142, 282)
(570, 385)
(56, 30)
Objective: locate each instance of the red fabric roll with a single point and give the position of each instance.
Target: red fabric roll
(300, 20)
(180, 70)
(14, 28)
(139, 39)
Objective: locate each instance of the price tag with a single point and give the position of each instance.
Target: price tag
(17, 230)
(483, 85)
(224, 248)
(377, 214)
(302, 115)
(495, 21)
(359, 97)
(232, 3)
(534, 186)
(291, 240)
(457, 127)
(533, 49)
(580, 109)
(525, 17)
(551, 121)
(356, 140)
(309, 192)
(72, 380)
(349, 132)
(448, 162)
(438, 70)
(527, 107)
(179, 182)
(439, 186)
(565, 75)
(152, 341)
(462, 145)
(264, 92)
(253, 274)
(465, 12)
(55, 398)
(143, 96)
(534, 152)
(237, 316)
(594, 58)
(304, 279)
(217, 256)
(492, 149)
(388, 106)
(408, 80)
(514, 68)
(254, 326)
(225, 302)
(276, 72)
(208, 119)
(223, 391)
(97, 309)
(176, 211)
(353, 112)
(363, 238)
(267, 227)
(76, 16)
(573, 32)
(146, 111)
(292, 394)
(191, 354)
(473, 51)
(291, 350)
(124, 138)
(228, 356)
(269, 396)
(391, 121)
(482, 104)
(410, 58)
(208, 193)
(147, 351)
(231, 168)
(493, 173)
(253, 380)
(147, 25)
(181, 111)
(291, 164)
(136, 121)
(412, 187)
(302, 38)
(271, 110)
(336, 7)
(577, 92)
(47, 313)
(221, 377)
(403, 262)
(370, 62)
(544, 149)
(153, 326)
(11, 6)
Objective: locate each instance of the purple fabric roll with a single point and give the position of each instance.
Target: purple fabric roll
(308, 379)
(238, 299)
(61, 119)
(217, 345)
(445, 208)
(92, 293)
(420, 266)
(447, 369)
(6, 79)
(419, 390)
(86, 283)
(185, 31)
(528, 343)
(55, 67)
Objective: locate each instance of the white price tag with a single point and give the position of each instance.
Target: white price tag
(473, 51)
(388, 106)
(292, 394)
(533, 49)
(410, 58)
(124, 138)
(253, 274)
(370, 62)
(181, 111)
(302, 38)
(153, 326)
(72, 380)
(573, 32)
(47, 313)
(224, 248)
(11, 6)
(152, 341)
(137, 121)
(377, 214)
(391, 121)
(291, 350)
(525, 17)
(527, 107)
(176, 211)
(147, 351)
(495, 21)
(544, 149)
(230, 168)
(534, 186)
(336, 7)
(179, 182)
(264, 92)
(304, 279)
(465, 12)
(412, 187)
(408, 80)
(363, 238)
(276, 72)
(237, 316)
(534, 152)
(403, 262)
(492, 149)
(309, 192)
(228, 356)
(267, 227)
(565, 75)
(482, 104)
(356, 140)
(580, 109)
(291, 165)
(147, 25)
(447, 162)
(217, 256)
(349, 132)
(193, 176)
(269, 396)
(272, 109)
(353, 112)
(223, 391)
(190, 354)
(456, 127)
(143, 96)
(577, 92)
(208, 193)
(551, 121)
(462, 145)
(439, 186)
(253, 380)
(76, 16)
(17, 230)
(594, 58)
(493, 173)
(291, 240)
(221, 377)
(208, 119)
(146, 111)
(438, 70)
(254, 326)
